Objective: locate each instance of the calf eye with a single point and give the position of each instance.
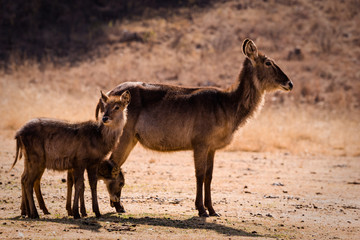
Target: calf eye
(268, 63)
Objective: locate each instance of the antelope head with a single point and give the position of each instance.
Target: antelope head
(268, 76)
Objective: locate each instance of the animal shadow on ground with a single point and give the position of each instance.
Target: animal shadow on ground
(90, 223)
(117, 223)
(191, 223)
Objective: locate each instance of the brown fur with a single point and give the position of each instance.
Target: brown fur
(171, 118)
(59, 145)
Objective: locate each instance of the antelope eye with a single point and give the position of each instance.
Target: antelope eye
(268, 63)
(116, 107)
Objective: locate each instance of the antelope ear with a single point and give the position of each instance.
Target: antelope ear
(104, 98)
(249, 49)
(125, 97)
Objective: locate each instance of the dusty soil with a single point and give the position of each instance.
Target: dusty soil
(260, 196)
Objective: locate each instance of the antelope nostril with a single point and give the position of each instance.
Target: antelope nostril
(290, 85)
(105, 119)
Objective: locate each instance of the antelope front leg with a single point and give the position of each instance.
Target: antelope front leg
(208, 178)
(93, 185)
(200, 157)
(119, 155)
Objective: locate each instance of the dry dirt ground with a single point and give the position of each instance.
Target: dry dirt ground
(260, 196)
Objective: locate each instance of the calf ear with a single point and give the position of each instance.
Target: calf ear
(249, 49)
(125, 97)
(115, 171)
(104, 170)
(99, 107)
(104, 97)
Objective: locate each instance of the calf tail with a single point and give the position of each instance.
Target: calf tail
(18, 151)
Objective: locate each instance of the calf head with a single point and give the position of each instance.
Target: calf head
(113, 109)
(114, 179)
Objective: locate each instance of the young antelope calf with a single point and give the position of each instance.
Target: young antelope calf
(114, 180)
(58, 145)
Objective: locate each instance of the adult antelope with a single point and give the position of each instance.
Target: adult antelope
(203, 119)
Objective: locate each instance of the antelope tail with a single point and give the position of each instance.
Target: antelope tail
(18, 151)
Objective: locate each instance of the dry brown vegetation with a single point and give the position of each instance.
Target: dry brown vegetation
(202, 47)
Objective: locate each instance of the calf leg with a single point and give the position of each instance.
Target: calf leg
(82, 202)
(79, 187)
(24, 202)
(200, 156)
(39, 194)
(70, 183)
(92, 171)
(40, 198)
(208, 178)
(29, 185)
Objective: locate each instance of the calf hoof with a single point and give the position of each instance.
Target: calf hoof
(215, 214)
(203, 214)
(122, 210)
(98, 215)
(23, 214)
(83, 212)
(46, 212)
(34, 216)
(76, 215)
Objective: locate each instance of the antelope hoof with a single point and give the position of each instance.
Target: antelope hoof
(98, 215)
(46, 212)
(203, 214)
(215, 214)
(76, 215)
(84, 214)
(34, 216)
(23, 214)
